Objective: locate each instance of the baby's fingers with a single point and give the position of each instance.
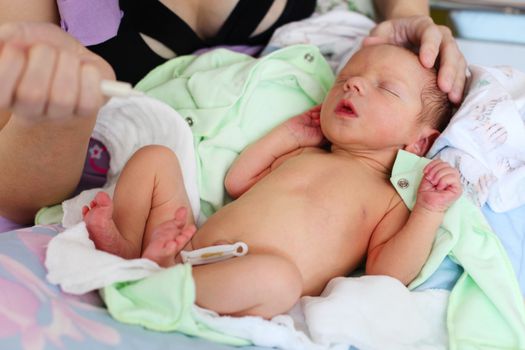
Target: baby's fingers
(428, 168)
(181, 215)
(316, 109)
(433, 168)
(315, 114)
(185, 236)
(448, 181)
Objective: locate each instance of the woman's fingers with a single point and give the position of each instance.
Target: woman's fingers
(90, 96)
(12, 62)
(430, 38)
(65, 87)
(32, 92)
(434, 41)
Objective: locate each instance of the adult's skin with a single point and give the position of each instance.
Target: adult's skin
(45, 131)
(54, 97)
(411, 26)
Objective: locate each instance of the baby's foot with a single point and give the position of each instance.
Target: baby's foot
(168, 239)
(100, 225)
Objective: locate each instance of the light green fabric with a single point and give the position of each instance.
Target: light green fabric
(485, 310)
(49, 215)
(162, 302)
(365, 7)
(233, 99)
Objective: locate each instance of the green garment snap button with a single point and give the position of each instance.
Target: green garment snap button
(403, 183)
(309, 57)
(189, 121)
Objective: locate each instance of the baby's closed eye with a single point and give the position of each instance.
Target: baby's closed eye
(390, 89)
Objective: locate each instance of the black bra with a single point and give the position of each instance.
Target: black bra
(132, 59)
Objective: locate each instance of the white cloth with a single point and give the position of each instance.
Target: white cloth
(126, 124)
(73, 262)
(485, 139)
(337, 33)
(377, 312)
(371, 312)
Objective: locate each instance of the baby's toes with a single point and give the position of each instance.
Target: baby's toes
(85, 210)
(185, 236)
(169, 249)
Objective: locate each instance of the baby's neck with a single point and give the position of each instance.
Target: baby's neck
(378, 161)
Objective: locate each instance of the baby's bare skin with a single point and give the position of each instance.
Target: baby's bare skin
(307, 198)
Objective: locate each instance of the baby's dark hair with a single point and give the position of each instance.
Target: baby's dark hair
(437, 109)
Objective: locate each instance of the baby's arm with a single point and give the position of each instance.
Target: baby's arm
(284, 141)
(401, 243)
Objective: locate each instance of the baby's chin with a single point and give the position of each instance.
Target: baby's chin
(333, 140)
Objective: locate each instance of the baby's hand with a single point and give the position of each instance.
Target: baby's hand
(440, 186)
(306, 127)
(47, 75)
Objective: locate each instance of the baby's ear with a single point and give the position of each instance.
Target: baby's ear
(423, 143)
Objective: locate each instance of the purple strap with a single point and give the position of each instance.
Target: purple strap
(90, 21)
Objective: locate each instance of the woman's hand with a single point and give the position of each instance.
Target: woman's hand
(432, 40)
(48, 76)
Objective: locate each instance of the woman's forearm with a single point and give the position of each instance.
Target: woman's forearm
(28, 10)
(402, 8)
(41, 164)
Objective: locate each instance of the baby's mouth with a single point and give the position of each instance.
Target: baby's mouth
(346, 109)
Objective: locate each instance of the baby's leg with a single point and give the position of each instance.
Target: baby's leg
(148, 193)
(256, 284)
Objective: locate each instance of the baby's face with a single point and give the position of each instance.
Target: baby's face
(376, 99)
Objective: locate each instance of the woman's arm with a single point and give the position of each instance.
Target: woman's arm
(402, 8)
(284, 141)
(28, 10)
(49, 99)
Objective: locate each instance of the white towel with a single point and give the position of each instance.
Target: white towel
(126, 124)
(73, 262)
(337, 33)
(377, 312)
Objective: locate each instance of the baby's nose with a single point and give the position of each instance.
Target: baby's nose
(355, 85)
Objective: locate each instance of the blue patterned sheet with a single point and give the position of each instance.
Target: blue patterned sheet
(36, 315)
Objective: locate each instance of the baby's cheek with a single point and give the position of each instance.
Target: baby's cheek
(328, 104)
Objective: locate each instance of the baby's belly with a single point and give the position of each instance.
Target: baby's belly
(320, 246)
